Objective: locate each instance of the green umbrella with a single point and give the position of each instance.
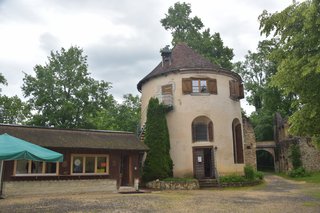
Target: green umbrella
(12, 148)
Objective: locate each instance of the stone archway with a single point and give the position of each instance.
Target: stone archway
(265, 160)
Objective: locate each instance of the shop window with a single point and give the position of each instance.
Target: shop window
(89, 164)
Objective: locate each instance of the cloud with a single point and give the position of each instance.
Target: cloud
(122, 38)
(49, 42)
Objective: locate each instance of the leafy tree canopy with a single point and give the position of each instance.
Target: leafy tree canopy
(123, 117)
(191, 31)
(256, 71)
(62, 92)
(297, 28)
(13, 110)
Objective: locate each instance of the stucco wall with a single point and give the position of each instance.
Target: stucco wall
(14, 188)
(220, 108)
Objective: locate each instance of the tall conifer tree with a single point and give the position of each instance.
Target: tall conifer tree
(158, 164)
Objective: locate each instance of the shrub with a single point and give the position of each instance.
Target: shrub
(249, 172)
(232, 178)
(299, 172)
(174, 179)
(259, 175)
(295, 155)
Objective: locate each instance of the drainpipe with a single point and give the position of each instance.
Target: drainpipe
(215, 164)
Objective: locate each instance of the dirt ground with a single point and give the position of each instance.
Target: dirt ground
(276, 195)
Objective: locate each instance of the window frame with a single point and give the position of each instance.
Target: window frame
(189, 85)
(43, 169)
(209, 130)
(198, 88)
(84, 156)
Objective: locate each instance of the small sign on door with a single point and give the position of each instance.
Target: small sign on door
(199, 159)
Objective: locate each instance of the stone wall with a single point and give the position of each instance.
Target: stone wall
(249, 143)
(171, 185)
(310, 155)
(14, 188)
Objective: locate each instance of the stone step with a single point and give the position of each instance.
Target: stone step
(205, 183)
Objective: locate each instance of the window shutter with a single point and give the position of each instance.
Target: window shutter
(186, 86)
(232, 89)
(193, 132)
(212, 86)
(166, 89)
(237, 89)
(241, 90)
(210, 131)
(239, 145)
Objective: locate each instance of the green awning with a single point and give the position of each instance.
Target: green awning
(12, 148)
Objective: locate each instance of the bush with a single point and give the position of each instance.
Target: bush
(234, 178)
(299, 172)
(295, 155)
(259, 175)
(174, 179)
(249, 172)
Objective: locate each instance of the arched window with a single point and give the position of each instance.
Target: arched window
(202, 129)
(237, 141)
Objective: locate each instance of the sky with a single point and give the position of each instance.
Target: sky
(122, 38)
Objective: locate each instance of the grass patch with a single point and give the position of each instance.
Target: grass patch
(310, 204)
(313, 178)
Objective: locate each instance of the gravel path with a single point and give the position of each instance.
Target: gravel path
(277, 195)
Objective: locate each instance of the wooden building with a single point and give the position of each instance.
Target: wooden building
(88, 155)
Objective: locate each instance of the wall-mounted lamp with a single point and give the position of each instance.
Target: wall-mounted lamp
(215, 148)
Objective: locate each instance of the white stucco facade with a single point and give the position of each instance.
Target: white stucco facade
(205, 124)
(219, 108)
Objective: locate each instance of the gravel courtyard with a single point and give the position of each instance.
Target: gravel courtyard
(276, 195)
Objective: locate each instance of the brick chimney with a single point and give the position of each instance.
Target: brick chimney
(166, 55)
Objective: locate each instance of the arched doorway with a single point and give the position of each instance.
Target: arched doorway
(265, 161)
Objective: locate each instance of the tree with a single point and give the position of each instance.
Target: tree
(13, 110)
(190, 30)
(158, 164)
(122, 117)
(256, 71)
(297, 28)
(63, 94)
(128, 113)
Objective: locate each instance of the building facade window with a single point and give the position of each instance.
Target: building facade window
(29, 167)
(202, 129)
(199, 85)
(237, 142)
(89, 164)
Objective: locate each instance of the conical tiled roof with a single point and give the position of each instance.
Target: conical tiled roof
(185, 58)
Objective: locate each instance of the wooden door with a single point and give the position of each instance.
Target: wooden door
(203, 163)
(124, 170)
